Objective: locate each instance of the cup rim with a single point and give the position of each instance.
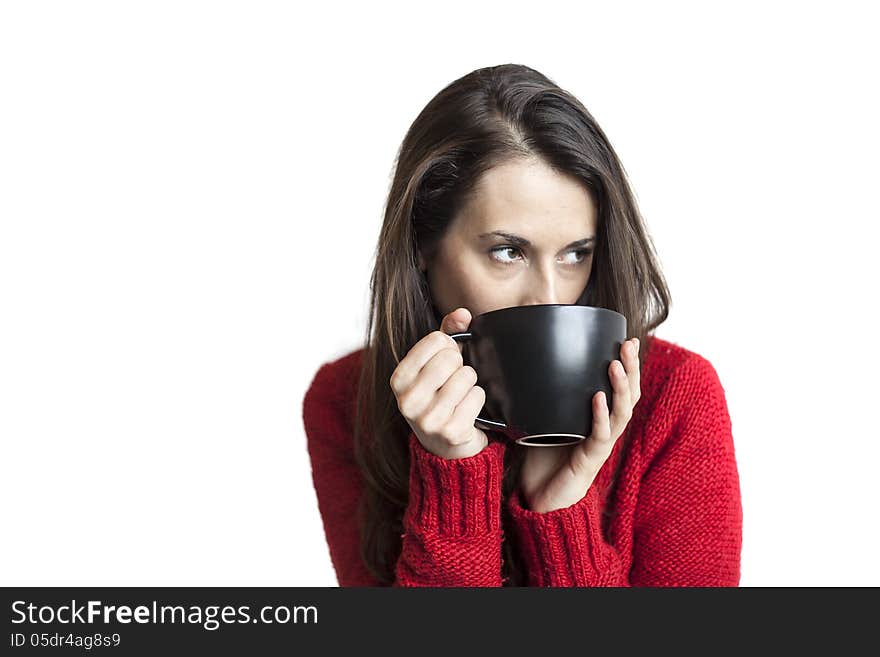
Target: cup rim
(509, 309)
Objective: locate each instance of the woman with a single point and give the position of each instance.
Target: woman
(506, 193)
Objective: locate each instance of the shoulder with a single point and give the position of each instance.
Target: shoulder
(682, 398)
(334, 375)
(333, 388)
(671, 366)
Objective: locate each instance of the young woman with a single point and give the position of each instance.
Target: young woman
(506, 193)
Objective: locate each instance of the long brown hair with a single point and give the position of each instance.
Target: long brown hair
(481, 120)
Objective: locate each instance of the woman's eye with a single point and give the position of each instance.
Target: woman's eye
(579, 256)
(502, 249)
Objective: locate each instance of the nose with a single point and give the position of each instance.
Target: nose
(542, 287)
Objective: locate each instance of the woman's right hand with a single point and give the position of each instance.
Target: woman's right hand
(436, 392)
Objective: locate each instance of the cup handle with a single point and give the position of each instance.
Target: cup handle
(489, 425)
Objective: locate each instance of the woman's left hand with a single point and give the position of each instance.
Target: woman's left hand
(557, 477)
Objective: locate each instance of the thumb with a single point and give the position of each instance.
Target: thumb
(457, 321)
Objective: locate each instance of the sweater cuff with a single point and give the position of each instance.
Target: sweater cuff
(455, 497)
(563, 547)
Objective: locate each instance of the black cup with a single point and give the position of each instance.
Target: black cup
(540, 366)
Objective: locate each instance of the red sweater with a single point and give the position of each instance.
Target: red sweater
(673, 519)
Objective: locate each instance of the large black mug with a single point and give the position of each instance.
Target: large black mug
(540, 366)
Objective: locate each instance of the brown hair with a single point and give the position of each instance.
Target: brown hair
(483, 119)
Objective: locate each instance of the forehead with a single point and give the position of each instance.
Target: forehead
(529, 198)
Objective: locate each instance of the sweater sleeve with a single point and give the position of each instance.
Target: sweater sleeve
(452, 522)
(688, 518)
(565, 547)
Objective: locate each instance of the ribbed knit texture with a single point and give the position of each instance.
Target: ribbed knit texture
(673, 518)
(452, 524)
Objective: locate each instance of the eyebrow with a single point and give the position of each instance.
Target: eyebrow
(522, 241)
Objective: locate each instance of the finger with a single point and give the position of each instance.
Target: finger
(602, 435)
(631, 365)
(416, 399)
(462, 421)
(447, 398)
(622, 402)
(411, 365)
(593, 452)
(457, 321)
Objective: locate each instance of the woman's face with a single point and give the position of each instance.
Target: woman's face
(545, 257)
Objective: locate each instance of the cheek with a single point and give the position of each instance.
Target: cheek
(575, 291)
(483, 293)
(463, 282)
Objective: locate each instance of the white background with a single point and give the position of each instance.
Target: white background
(190, 195)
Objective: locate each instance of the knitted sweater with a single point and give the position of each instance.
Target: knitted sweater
(673, 518)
